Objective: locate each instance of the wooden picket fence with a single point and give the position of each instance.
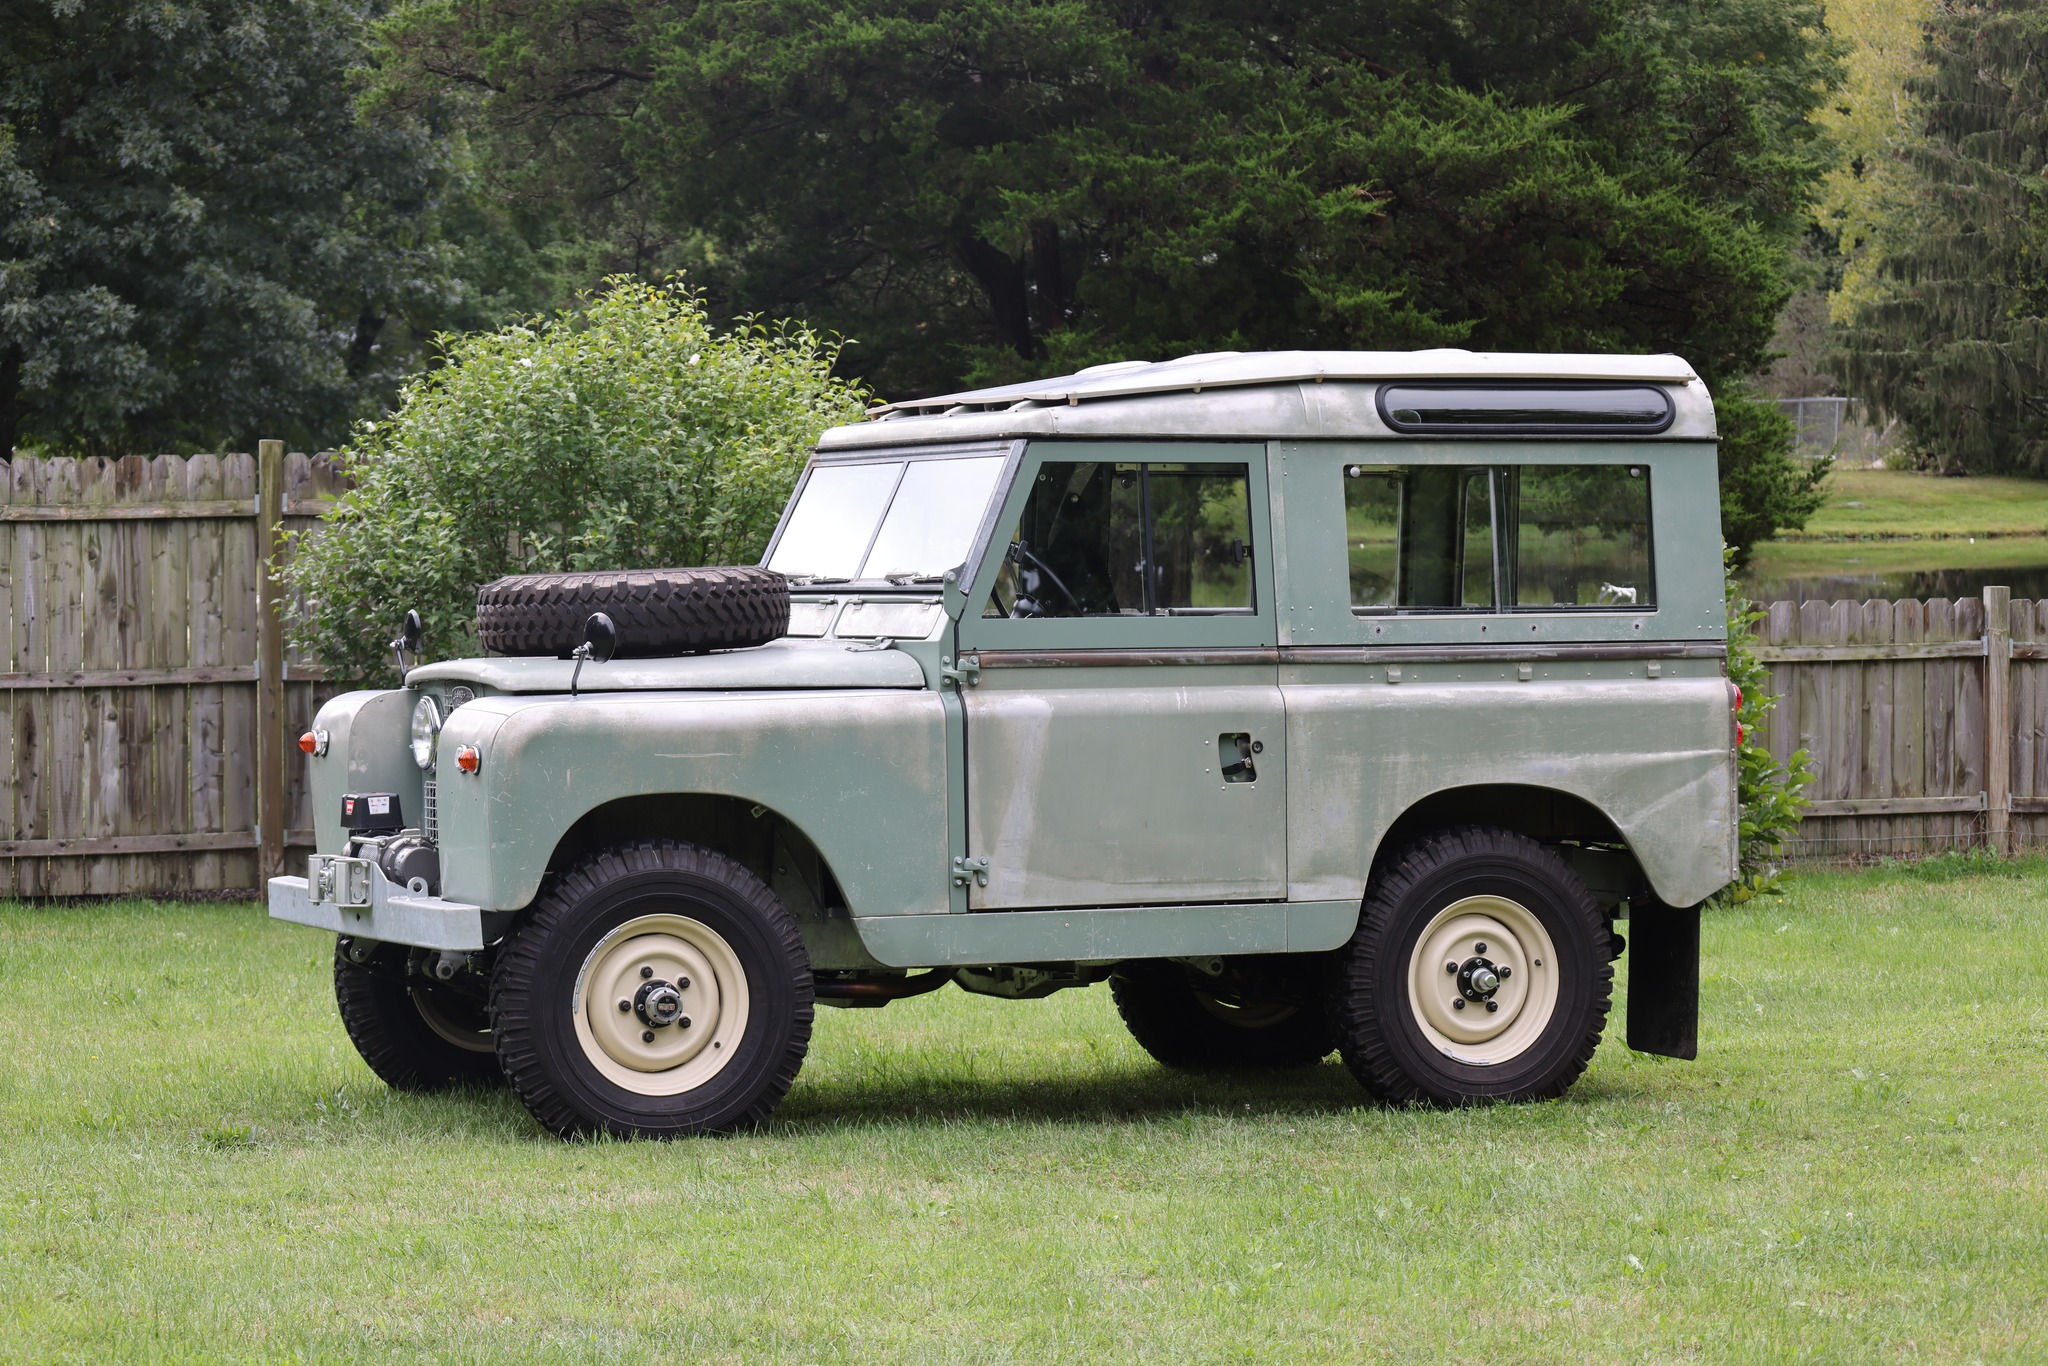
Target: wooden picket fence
(1926, 722)
(148, 707)
(146, 700)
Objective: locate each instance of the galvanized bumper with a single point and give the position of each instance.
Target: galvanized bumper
(352, 896)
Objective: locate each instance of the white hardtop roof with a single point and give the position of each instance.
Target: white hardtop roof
(1219, 369)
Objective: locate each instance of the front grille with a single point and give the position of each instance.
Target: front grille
(430, 814)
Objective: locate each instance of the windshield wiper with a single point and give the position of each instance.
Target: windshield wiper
(806, 580)
(908, 576)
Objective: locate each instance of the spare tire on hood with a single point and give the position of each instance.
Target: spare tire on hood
(656, 611)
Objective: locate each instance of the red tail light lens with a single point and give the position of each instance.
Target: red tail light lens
(1738, 699)
(1741, 734)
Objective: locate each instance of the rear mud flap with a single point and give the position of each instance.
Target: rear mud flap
(1664, 979)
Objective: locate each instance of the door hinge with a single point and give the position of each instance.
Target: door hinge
(966, 870)
(965, 674)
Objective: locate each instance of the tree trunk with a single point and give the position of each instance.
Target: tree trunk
(1049, 273)
(11, 408)
(1002, 282)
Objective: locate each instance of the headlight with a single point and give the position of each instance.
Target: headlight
(426, 730)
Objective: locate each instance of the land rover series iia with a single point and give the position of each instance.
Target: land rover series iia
(1316, 702)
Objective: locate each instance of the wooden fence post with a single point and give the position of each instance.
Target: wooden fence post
(270, 736)
(1998, 719)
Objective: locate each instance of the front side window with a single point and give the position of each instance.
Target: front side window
(1129, 538)
(1442, 538)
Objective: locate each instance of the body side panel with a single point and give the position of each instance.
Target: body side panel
(1654, 754)
(861, 773)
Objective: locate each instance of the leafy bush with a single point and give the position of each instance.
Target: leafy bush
(626, 434)
(1768, 793)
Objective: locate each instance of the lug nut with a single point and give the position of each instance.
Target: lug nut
(646, 973)
(1479, 947)
(682, 1022)
(625, 1007)
(1505, 972)
(1492, 1006)
(682, 984)
(646, 1036)
(1451, 968)
(1458, 1004)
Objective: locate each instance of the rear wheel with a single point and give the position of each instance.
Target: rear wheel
(416, 1034)
(1252, 1014)
(658, 990)
(1480, 971)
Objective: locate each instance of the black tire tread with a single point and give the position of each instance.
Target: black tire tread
(1157, 1004)
(1358, 1023)
(400, 1047)
(520, 957)
(657, 611)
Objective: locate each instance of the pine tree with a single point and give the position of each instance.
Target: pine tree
(1955, 344)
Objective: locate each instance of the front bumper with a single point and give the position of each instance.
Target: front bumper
(352, 896)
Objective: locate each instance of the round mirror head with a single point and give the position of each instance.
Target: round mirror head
(601, 636)
(414, 631)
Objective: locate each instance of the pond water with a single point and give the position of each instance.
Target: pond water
(2025, 580)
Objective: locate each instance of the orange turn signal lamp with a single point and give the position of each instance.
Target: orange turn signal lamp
(468, 759)
(314, 742)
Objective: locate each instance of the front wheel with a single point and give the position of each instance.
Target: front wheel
(1480, 972)
(416, 1034)
(657, 990)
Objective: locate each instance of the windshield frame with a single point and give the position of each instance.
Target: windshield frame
(1011, 451)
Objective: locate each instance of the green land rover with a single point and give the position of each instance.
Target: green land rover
(1317, 702)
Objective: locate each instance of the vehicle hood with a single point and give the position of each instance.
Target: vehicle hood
(783, 664)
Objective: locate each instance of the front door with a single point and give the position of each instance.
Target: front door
(1125, 740)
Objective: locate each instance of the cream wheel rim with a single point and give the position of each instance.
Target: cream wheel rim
(437, 1017)
(1481, 952)
(656, 966)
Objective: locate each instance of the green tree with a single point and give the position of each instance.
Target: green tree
(201, 238)
(625, 434)
(990, 188)
(1952, 337)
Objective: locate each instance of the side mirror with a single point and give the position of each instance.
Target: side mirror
(600, 637)
(407, 641)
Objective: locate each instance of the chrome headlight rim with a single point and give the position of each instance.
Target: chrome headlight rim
(426, 733)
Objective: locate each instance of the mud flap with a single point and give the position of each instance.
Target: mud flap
(1664, 978)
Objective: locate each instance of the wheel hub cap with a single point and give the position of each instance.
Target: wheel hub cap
(1482, 980)
(661, 1004)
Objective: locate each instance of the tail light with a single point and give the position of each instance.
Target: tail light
(314, 742)
(468, 759)
(1741, 731)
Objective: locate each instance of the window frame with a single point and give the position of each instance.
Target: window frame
(1202, 629)
(1011, 452)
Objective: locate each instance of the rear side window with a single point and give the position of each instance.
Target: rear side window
(1447, 538)
(1112, 538)
(1548, 409)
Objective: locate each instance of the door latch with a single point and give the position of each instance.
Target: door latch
(965, 674)
(966, 870)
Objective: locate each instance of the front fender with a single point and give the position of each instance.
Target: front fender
(861, 772)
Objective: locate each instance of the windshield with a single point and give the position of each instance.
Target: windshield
(891, 518)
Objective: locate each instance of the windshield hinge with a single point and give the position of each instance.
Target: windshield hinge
(963, 675)
(966, 870)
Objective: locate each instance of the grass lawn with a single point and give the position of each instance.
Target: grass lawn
(1901, 504)
(196, 1166)
(1776, 560)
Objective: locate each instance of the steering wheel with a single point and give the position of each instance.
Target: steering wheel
(1028, 559)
